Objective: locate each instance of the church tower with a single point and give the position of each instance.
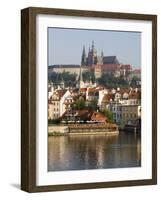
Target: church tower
(91, 59)
(94, 54)
(83, 60)
(81, 83)
(92, 45)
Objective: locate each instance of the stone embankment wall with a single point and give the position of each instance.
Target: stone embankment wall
(93, 129)
(108, 129)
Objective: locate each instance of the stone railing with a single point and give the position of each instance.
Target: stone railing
(98, 126)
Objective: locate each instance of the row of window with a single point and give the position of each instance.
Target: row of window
(55, 98)
(56, 109)
(56, 103)
(119, 108)
(68, 100)
(125, 115)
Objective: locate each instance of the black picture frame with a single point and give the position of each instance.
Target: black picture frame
(28, 98)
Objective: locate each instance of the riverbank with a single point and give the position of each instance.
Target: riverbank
(83, 129)
(131, 129)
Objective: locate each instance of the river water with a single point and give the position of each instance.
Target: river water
(80, 152)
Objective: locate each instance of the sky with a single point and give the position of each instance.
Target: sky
(65, 45)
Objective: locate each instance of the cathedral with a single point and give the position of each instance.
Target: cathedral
(92, 58)
(104, 64)
(100, 63)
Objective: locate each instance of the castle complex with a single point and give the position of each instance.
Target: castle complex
(99, 64)
(92, 58)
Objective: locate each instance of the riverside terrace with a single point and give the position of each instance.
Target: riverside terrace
(87, 129)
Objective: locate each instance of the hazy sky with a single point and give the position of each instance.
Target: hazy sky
(65, 45)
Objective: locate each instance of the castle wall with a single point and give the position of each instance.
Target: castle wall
(71, 70)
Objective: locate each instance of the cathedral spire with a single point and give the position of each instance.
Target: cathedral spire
(92, 45)
(83, 60)
(89, 49)
(102, 53)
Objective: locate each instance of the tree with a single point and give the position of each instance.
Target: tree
(103, 79)
(110, 81)
(68, 78)
(79, 104)
(134, 81)
(92, 105)
(88, 76)
(108, 114)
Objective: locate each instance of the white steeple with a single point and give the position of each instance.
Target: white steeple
(81, 83)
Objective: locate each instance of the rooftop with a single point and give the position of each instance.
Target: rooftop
(110, 60)
(59, 93)
(126, 67)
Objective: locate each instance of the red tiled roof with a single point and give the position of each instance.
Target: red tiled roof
(60, 93)
(137, 71)
(86, 115)
(107, 97)
(124, 90)
(96, 116)
(83, 89)
(126, 67)
(83, 113)
(135, 95)
(92, 89)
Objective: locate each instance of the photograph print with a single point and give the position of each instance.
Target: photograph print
(94, 99)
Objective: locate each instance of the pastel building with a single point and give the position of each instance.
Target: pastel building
(59, 102)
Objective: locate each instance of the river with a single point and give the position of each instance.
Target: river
(80, 152)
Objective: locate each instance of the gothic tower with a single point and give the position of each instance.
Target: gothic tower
(94, 54)
(91, 59)
(92, 46)
(83, 60)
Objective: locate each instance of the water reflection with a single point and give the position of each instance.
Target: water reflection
(80, 152)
